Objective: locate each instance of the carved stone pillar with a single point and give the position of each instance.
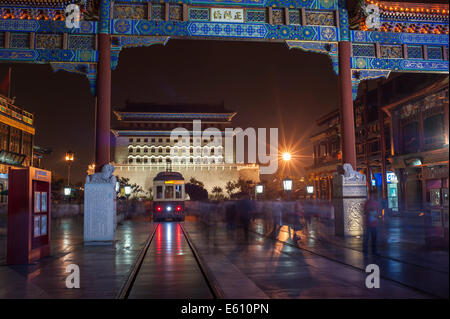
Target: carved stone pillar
(349, 196)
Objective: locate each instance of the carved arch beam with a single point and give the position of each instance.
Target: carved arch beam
(87, 69)
(329, 48)
(120, 42)
(361, 75)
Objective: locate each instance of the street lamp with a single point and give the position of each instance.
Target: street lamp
(67, 190)
(127, 189)
(286, 156)
(259, 189)
(69, 161)
(287, 185)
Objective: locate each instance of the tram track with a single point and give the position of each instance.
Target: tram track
(133, 275)
(126, 287)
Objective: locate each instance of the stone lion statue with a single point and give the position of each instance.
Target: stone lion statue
(351, 175)
(105, 176)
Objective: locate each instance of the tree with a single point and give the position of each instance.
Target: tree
(195, 191)
(196, 182)
(218, 193)
(245, 186)
(136, 189)
(230, 187)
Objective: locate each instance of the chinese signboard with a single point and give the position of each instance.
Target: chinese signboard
(227, 15)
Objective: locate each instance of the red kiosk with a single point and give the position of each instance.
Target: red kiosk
(28, 215)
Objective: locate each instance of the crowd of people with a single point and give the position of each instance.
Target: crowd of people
(240, 213)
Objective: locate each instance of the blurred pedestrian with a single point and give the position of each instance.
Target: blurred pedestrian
(244, 209)
(371, 215)
(277, 216)
(297, 220)
(230, 215)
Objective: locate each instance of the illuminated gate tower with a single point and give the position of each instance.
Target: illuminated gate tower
(143, 147)
(401, 37)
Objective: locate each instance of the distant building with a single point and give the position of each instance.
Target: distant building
(143, 148)
(419, 144)
(414, 110)
(39, 154)
(16, 139)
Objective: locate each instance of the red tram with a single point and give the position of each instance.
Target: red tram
(169, 196)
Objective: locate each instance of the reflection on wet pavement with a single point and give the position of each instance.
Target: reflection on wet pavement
(283, 271)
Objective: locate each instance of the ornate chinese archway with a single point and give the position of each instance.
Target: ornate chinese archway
(405, 38)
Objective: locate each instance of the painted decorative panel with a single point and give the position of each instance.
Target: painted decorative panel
(344, 28)
(175, 12)
(42, 26)
(198, 14)
(19, 40)
(391, 51)
(320, 18)
(227, 30)
(105, 16)
(49, 41)
(135, 11)
(414, 52)
(399, 38)
(294, 17)
(367, 50)
(44, 56)
(19, 25)
(399, 64)
(434, 53)
(278, 16)
(256, 16)
(81, 42)
(158, 12)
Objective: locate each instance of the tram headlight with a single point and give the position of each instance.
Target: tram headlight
(169, 208)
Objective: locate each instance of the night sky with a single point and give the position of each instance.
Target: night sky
(266, 83)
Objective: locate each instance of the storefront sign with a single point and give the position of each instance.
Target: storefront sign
(227, 15)
(391, 177)
(413, 162)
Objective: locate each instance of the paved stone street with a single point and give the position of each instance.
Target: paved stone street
(285, 264)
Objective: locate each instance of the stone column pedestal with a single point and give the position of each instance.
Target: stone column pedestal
(349, 196)
(99, 213)
(100, 219)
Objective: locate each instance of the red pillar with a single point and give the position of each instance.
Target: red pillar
(382, 139)
(102, 136)
(346, 105)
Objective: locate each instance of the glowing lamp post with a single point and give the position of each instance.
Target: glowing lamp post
(310, 190)
(287, 186)
(127, 189)
(286, 156)
(67, 191)
(259, 189)
(69, 160)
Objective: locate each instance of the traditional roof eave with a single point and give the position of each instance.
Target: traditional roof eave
(46, 3)
(130, 133)
(121, 116)
(411, 7)
(436, 86)
(321, 120)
